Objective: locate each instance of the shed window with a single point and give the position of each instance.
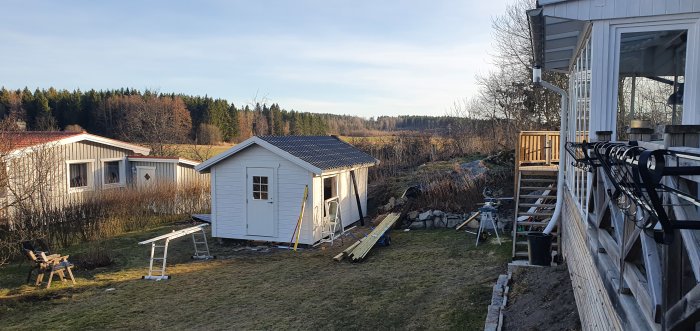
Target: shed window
(330, 192)
(260, 188)
(330, 187)
(78, 175)
(112, 172)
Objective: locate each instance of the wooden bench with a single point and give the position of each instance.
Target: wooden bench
(53, 264)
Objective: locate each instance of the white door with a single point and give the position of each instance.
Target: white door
(260, 201)
(145, 176)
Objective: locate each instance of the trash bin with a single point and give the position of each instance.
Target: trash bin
(539, 246)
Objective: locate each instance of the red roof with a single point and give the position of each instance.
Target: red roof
(22, 139)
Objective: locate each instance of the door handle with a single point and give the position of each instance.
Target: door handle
(270, 202)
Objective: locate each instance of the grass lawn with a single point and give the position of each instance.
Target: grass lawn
(433, 279)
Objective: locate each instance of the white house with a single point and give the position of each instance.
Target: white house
(61, 167)
(258, 186)
(634, 79)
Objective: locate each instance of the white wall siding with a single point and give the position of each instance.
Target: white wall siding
(165, 171)
(229, 195)
(186, 175)
(610, 9)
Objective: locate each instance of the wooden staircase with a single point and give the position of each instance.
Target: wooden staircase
(535, 187)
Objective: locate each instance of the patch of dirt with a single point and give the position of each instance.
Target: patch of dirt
(541, 299)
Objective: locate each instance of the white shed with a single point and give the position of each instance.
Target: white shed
(257, 187)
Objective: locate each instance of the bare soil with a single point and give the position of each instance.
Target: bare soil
(541, 299)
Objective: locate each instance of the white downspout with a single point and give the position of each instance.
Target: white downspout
(537, 80)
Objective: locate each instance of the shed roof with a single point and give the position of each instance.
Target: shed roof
(315, 153)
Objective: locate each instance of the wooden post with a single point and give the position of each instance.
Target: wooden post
(357, 197)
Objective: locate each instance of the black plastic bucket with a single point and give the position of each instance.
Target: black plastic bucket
(539, 248)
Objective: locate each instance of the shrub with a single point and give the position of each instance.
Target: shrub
(102, 214)
(208, 134)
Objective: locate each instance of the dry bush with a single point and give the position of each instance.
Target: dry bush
(456, 190)
(208, 134)
(103, 214)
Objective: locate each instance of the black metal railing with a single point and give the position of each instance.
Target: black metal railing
(638, 176)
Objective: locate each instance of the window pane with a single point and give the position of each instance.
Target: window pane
(78, 175)
(256, 187)
(256, 195)
(263, 188)
(263, 196)
(651, 81)
(112, 172)
(256, 179)
(263, 180)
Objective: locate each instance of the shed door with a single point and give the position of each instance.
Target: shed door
(145, 176)
(260, 202)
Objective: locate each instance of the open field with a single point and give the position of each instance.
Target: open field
(424, 280)
(199, 152)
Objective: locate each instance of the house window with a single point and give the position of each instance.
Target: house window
(651, 81)
(112, 172)
(260, 188)
(78, 175)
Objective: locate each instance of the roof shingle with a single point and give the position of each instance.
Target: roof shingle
(323, 152)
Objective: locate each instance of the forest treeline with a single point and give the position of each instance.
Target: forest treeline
(134, 115)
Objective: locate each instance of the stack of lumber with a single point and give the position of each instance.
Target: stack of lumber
(358, 251)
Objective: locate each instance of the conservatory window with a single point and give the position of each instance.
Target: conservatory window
(651, 81)
(578, 121)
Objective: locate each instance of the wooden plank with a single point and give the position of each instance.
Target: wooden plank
(357, 197)
(652, 264)
(685, 313)
(473, 217)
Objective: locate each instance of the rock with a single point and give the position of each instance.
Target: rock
(412, 215)
(437, 222)
(425, 215)
(474, 224)
(438, 213)
(429, 224)
(401, 201)
(417, 225)
(453, 222)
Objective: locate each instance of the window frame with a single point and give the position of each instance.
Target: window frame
(90, 173)
(260, 190)
(691, 23)
(122, 172)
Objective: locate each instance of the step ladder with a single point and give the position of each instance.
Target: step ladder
(332, 226)
(536, 193)
(159, 250)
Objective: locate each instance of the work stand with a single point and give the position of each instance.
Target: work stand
(159, 250)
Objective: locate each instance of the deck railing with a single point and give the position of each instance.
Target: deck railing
(538, 147)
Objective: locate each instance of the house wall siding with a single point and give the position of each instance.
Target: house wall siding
(186, 175)
(53, 161)
(595, 308)
(165, 171)
(609, 9)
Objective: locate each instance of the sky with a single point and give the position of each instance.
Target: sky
(364, 58)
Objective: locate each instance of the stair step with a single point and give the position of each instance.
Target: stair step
(543, 188)
(524, 233)
(538, 180)
(536, 205)
(533, 196)
(521, 254)
(533, 223)
(535, 214)
(521, 242)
